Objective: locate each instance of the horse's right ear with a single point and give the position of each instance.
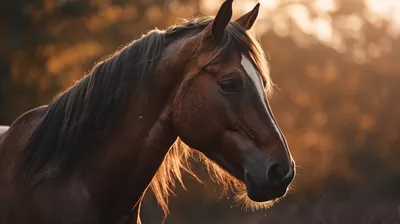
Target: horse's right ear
(216, 28)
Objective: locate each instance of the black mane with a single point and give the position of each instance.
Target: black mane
(85, 110)
(83, 113)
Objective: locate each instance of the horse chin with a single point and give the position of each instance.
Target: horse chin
(246, 203)
(251, 197)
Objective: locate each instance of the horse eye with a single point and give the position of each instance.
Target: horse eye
(229, 86)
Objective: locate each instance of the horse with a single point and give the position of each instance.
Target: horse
(132, 123)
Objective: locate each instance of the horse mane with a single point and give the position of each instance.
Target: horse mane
(84, 111)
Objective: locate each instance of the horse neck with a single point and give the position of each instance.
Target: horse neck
(119, 175)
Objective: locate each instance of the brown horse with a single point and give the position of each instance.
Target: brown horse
(89, 156)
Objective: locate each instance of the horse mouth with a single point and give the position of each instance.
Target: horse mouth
(262, 194)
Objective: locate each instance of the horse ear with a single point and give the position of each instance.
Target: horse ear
(217, 27)
(248, 19)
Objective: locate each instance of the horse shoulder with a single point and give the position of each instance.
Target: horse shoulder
(22, 128)
(12, 140)
(16, 136)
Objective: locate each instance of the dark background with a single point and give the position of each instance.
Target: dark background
(336, 64)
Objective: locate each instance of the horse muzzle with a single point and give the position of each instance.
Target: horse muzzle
(270, 183)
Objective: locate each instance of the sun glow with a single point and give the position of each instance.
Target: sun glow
(274, 14)
(269, 4)
(388, 10)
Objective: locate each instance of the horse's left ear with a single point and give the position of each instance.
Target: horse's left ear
(217, 27)
(248, 19)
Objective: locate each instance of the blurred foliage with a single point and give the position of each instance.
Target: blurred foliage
(336, 64)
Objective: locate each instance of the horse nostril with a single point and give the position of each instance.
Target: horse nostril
(275, 174)
(290, 175)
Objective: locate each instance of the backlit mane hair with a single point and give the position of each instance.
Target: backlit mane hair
(81, 115)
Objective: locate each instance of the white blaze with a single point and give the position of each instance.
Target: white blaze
(255, 77)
